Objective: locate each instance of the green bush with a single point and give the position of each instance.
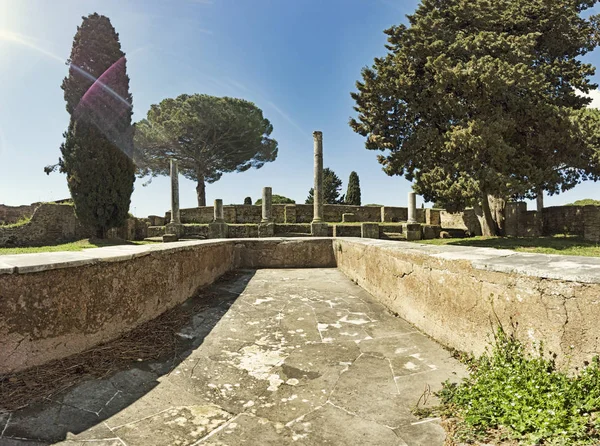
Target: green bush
(527, 398)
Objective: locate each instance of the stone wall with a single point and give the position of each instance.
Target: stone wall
(591, 229)
(50, 223)
(12, 214)
(466, 221)
(299, 213)
(458, 295)
(563, 220)
(56, 304)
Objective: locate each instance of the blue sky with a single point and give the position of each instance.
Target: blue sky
(298, 61)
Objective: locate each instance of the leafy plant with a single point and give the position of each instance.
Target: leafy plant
(525, 397)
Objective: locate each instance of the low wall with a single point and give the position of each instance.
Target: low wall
(56, 304)
(458, 295)
(301, 213)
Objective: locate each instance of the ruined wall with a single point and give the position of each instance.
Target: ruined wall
(466, 220)
(591, 229)
(563, 220)
(12, 214)
(50, 223)
(458, 294)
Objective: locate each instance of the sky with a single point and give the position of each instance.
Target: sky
(298, 61)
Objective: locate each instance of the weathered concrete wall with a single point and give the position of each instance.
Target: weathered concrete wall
(285, 253)
(458, 294)
(56, 304)
(50, 223)
(12, 214)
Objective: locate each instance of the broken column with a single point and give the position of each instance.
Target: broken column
(218, 228)
(412, 207)
(411, 229)
(266, 227)
(266, 204)
(318, 227)
(174, 229)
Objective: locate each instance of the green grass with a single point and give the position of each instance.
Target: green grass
(514, 395)
(73, 246)
(565, 245)
(21, 222)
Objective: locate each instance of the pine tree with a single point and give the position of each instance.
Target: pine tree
(353, 192)
(98, 148)
(476, 101)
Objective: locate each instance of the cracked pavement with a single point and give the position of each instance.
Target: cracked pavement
(297, 356)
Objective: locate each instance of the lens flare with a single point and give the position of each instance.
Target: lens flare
(100, 101)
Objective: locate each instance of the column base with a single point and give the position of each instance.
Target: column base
(266, 229)
(413, 231)
(369, 230)
(217, 230)
(319, 229)
(175, 229)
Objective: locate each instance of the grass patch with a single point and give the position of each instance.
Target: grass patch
(512, 396)
(21, 222)
(73, 246)
(559, 244)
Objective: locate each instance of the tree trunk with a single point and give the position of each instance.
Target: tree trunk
(497, 207)
(201, 191)
(488, 225)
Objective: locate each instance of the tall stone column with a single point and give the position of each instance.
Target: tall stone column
(267, 206)
(318, 227)
(174, 229)
(175, 214)
(318, 174)
(218, 209)
(412, 207)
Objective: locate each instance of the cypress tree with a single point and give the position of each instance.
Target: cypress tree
(353, 192)
(98, 147)
(247, 200)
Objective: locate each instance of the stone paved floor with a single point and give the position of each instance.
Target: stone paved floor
(301, 356)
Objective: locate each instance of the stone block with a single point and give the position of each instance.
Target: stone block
(413, 231)
(432, 217)
(290, 213)
(319, 229)
(431, 231)
(266, 229)
(369, 230)
(170, 238)
(217, 230)
(156, 220)
(348, 218)
(346, 231)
